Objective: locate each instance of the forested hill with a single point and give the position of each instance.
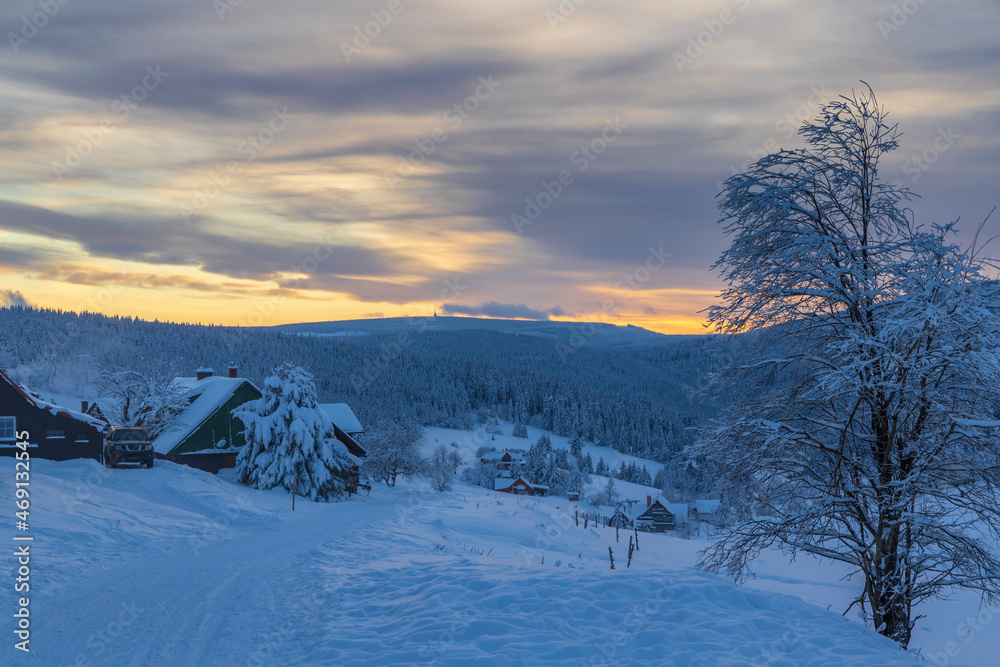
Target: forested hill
(640, 400)
(573, 335)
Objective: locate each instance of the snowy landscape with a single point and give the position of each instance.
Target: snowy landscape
(501, 332)
(178, 566)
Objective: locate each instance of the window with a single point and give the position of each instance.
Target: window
(82, 437)
(54, 433)
(8, 428)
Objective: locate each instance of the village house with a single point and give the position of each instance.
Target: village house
(503, 460)
(54, 432)
(660, 516)
(345, 427)
(205, 434)
(704, 510)
(519, 487)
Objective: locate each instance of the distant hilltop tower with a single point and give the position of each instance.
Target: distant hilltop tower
(435, 312)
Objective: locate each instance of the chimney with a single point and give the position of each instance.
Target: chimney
(84, 405)
(649, 501)
(203, 373)
(232, 370)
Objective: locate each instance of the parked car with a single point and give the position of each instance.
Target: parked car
(127, 444)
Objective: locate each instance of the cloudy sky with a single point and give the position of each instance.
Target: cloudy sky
(245, 161)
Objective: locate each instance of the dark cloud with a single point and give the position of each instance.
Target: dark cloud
(502, 310)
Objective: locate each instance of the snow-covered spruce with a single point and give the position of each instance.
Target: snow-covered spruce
(289, 439)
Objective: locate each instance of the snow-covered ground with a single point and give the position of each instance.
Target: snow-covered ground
(172, 566)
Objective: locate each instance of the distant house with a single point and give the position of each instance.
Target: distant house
(660, 516)
(704, 510)
(519, 487)
(503, 460)
(54, 432)
(206, 435)
(103, 409)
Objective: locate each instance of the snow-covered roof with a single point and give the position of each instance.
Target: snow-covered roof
(36, 401)
(342, 415)
(706, 506)
(209, 394)
(507, 482)
(679, 510)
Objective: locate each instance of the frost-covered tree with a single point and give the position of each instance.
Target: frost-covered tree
(520, 431)
(440, 468)
(576, 445)
(136, 398)
(610, 493)
(587, 464)
(602, 468)
(290, 439)
(392, 450)
(876, 386)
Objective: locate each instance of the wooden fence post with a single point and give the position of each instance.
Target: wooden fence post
(629, 564)
(612, 557)
(293, 495)
(576, 513)
(616, 534)
(636, 529)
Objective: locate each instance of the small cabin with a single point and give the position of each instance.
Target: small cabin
(660, 516)
(519, 487)
(503, 460)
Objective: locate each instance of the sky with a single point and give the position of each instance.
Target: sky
(258, 163)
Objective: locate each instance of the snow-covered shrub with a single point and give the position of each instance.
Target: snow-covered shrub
(289, 439)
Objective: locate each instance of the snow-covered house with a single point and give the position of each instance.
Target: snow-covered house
(345, 427)
(503, 460)
(54, 432)
(206, 435)
(660, 516)
(519, 487)
(104, 408)
(343, 417)
(704, 510)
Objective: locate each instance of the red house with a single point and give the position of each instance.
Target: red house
(519, 487)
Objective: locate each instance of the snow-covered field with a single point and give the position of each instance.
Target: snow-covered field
(172, 566)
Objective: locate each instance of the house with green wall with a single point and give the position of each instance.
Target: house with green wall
(205, 434)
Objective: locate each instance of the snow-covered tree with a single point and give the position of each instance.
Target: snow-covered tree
(392, 450)
(493, 427)
(136, 398)
(602, 468)
(877, 383)
(610, 493)
(587, 464)
(520, 431)
(576, 445)
(440, 468)
(290, 439)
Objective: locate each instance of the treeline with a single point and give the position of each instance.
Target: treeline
(644, 402)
